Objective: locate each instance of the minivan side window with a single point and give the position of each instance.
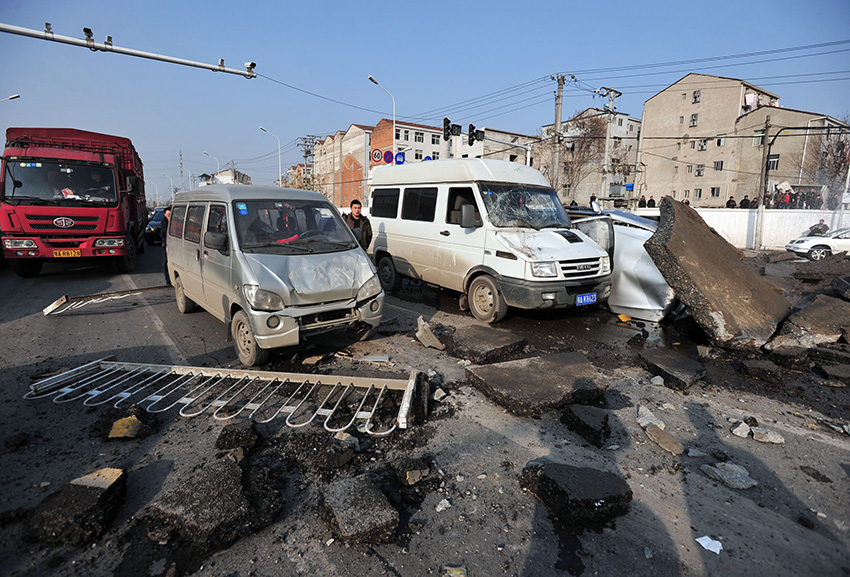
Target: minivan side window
(419, 204)
(458, 196)
(385, 202)
(175, 224)
(194, 218)
(218, 219)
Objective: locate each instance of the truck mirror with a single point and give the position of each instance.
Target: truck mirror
(134, 185)
(467, 216)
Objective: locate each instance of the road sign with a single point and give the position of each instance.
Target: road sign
(388, 157)
(399, 158)
(377, 155)
(427, 158)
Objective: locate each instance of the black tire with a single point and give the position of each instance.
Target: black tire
(127, 262)
(486, 302)
(245, 343)
(818, 252)
(184, 304)
(26, 267)
(387, 274)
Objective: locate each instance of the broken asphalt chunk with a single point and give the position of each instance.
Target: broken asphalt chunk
(590, 423)
(81, 511)
(482, 345)
(530, 387)
(763, 370)
(821, 321)
(767, 436)
(840, 373)
(580, 497)
(426, 336)
(730, 474)
(358, 512)
(645, 418)
(239, 435)
(735, 306)
(412, 471)
(678, 371)
(664, 440)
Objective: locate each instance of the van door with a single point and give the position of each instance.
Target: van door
(459, 249)
(192, 283)
(216, 264)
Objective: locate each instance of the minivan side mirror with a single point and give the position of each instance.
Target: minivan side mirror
(467, 216)
(216, 241)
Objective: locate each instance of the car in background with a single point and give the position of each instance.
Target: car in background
(152, 233)
(820, 247)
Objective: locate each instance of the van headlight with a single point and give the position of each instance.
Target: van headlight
(262, 300)
(544, 269)
(605, 265)
(370, 288)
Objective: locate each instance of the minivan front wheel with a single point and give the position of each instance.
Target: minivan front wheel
(249, 352)
(486, 301)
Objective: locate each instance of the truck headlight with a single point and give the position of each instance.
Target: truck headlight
(544, 269)
(262, 300)
(605, 265)
(370, 288)
(109, 242)
(14, 243)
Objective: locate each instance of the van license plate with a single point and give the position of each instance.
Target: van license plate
(586, 299)
(64, 253)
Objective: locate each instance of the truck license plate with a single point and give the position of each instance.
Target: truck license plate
(586, 299)
(65, 253)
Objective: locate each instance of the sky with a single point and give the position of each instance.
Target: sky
(490, 64)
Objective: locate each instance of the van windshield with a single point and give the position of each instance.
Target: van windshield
(290, 227)
(522, 205)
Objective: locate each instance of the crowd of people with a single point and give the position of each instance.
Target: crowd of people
(801, 199)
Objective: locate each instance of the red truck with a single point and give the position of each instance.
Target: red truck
(68, 194)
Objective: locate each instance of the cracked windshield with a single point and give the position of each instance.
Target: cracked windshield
(511, 205)
(46, 182)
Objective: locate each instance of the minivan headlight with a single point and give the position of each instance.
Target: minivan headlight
(370, 288)
(544, 269)
(262, 300)
(605, 265)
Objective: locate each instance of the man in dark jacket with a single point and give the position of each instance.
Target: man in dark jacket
(163, 232)
(359, 224)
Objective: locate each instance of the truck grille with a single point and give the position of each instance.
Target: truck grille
(45, 222)
(579, 268)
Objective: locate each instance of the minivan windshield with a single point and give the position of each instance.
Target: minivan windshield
(523, 205)
(290, 227)
(46, 182)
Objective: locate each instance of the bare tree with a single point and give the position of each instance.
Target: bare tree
(585, 148)
(829, 162)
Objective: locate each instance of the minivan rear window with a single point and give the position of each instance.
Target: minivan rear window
(419, 204)
(385, 202)
(175, 224)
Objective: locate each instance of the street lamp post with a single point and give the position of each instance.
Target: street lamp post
(279, 174)
(14, 96)
(217, 164)
(172, 185)
(372, 78)
(156, 204)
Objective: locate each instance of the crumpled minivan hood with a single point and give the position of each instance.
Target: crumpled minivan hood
(549, 244)
(310, 279)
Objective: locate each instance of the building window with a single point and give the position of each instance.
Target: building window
(758, 137)
(715, 191)
(513, 157)
(721, 140)
(417, 154)
(718, 165)
(681, 120)
(398, 133)
(773, 162)
(696, 97)
(675, 195)
(702, 144)
(419, 137)
(687, 194)
(694, 118)
(684, 95)
(678, 146)
(690, 169)
(675, 170)
(700, 170)
(435, 155)
(406, 135)
(693, 144)
(619, 122)
(697, 193)
(435, 139)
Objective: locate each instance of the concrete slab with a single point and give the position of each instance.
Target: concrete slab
(764, 370)
(822, 321)
(533, 386)
(483, 344)
(679, 372)
(664, 440)
(840, 373)
(81, 511)
(581, 497)
(735, 306)
(590, 423)
(358, 512)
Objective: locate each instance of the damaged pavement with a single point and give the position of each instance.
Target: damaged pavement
(714, 445)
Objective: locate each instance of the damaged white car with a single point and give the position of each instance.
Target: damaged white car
(820, 247)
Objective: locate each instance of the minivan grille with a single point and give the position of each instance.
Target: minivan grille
(580, 268)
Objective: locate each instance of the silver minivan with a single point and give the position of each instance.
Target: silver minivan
(276, 264)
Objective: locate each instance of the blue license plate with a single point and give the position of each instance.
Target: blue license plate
(586, 299)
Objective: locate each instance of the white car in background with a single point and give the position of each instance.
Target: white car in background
(820, 247)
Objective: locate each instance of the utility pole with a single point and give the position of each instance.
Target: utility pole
(181, 168)
(308, 143)
(762, 186)
(611, 94)
(556, 140)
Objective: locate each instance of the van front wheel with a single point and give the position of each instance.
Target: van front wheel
(486, 301)
(387, 274)
(249, 352)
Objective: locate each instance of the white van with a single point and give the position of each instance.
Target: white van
(493, 230)
(276, 264)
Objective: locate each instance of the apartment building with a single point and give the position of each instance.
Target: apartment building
(341, 164)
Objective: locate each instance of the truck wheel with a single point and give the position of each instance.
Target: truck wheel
(818, 253)
(127, 262)
(249, 352)
(389, 277)
(485, 301)
(184, 304)
(26, 267)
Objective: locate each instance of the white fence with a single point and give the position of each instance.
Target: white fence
(739, 226)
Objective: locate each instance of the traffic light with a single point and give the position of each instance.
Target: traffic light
(471, 134)
(447, 128)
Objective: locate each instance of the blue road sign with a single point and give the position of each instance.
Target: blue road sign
(399, 158)
(388, 157)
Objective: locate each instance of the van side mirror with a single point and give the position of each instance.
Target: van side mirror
(216, 241)
(467, 216)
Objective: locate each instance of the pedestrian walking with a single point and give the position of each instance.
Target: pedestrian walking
(163, 233)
